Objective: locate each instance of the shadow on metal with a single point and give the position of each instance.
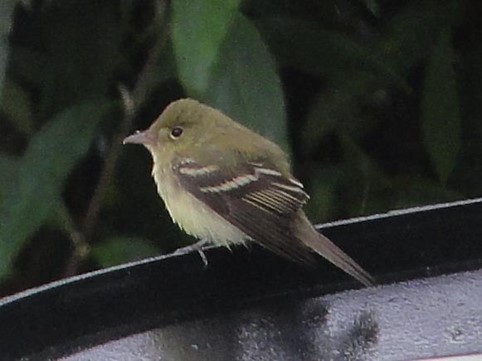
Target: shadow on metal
(252, 305)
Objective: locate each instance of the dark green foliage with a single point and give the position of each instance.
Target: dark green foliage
(440, 107)
(41, 173)
(378, 102)
(115, 251)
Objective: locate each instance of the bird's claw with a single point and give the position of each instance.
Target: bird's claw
(196, 247)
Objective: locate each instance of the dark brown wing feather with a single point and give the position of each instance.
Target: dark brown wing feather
(254, 197)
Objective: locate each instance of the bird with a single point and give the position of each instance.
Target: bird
(227, 185)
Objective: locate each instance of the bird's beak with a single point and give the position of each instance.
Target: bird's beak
(145, 137)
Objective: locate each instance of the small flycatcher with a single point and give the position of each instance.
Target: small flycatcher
(227, 185)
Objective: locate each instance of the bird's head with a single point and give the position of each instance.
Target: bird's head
(184, 123)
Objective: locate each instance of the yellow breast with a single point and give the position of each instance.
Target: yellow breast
(192, 215)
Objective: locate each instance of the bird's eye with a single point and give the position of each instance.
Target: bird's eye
(176, 132)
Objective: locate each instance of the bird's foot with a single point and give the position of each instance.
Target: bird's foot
(196, 247)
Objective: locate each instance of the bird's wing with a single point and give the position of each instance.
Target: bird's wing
(254, 197)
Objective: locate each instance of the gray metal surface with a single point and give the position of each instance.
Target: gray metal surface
(426, 318)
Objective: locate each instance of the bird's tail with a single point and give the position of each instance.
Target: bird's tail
(326, 248)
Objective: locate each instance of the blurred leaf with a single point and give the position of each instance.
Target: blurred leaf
(410, 34)
(82, 41)
(6, 11)
(366, 188)
(339, 108)
(440, 107)
(245, 85)
(16, 105)
(307, 46)
(373, 6)
(198, 31)
(29, 65)
(223, 62)
(323, 200)
(118, 250)
(414, 190)
(9, 167)
(47, 162)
